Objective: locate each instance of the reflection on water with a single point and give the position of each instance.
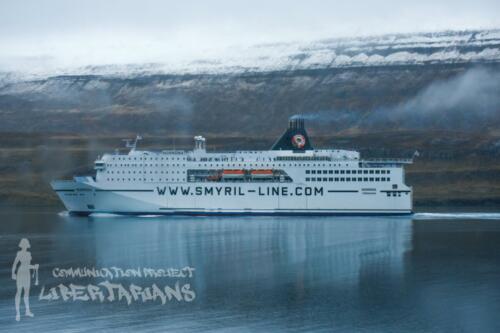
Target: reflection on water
(267, 273)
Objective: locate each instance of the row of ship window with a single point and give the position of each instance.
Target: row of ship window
(145, 165)
(221, 159)
(217, 159)
(151, 172)
(307, 179)
(302, 158)
(395, 194)
(348, 172)
(141, 179)
(134, 165)
(262, 165)
(148, 159)
(348, 179)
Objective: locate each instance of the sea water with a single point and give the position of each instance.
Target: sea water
(432, 272)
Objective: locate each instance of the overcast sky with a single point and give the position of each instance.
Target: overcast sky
(99, 31)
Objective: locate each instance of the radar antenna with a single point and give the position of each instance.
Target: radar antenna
(132, 143)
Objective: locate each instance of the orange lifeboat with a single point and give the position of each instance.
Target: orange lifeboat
(261, 174)
(233, 174)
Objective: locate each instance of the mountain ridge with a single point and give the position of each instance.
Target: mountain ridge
(457, 90)
(467, 46)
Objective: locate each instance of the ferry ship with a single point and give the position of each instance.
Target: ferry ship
(292, 178)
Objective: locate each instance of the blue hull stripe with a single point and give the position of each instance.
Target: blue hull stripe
(202, 213)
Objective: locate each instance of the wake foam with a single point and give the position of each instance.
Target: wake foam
(105, 215)
(457, 216)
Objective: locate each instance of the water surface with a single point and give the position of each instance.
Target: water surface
(438, 273)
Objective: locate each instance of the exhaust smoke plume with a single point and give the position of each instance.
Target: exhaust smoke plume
(465, 102)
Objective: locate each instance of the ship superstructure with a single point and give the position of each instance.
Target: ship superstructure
(290, 178)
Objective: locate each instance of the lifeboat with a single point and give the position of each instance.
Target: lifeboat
(262, 174)
(233, 174)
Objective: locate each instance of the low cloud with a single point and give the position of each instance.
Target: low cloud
(469, 101)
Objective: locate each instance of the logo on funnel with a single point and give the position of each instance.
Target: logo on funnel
(298, 141)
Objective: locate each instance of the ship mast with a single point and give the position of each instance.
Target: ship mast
(132, 143)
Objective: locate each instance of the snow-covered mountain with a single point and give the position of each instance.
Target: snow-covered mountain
(386, 50)
(447, 80)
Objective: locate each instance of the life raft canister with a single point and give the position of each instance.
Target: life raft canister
(298, 141)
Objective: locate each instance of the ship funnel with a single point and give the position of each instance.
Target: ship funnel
(295, 137)
(296, 123)
(200, 143)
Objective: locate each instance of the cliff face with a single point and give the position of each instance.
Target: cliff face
(451, 96)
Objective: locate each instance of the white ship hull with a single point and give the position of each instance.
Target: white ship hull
(85, 197)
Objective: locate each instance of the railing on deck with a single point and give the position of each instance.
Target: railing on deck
(388, 161)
